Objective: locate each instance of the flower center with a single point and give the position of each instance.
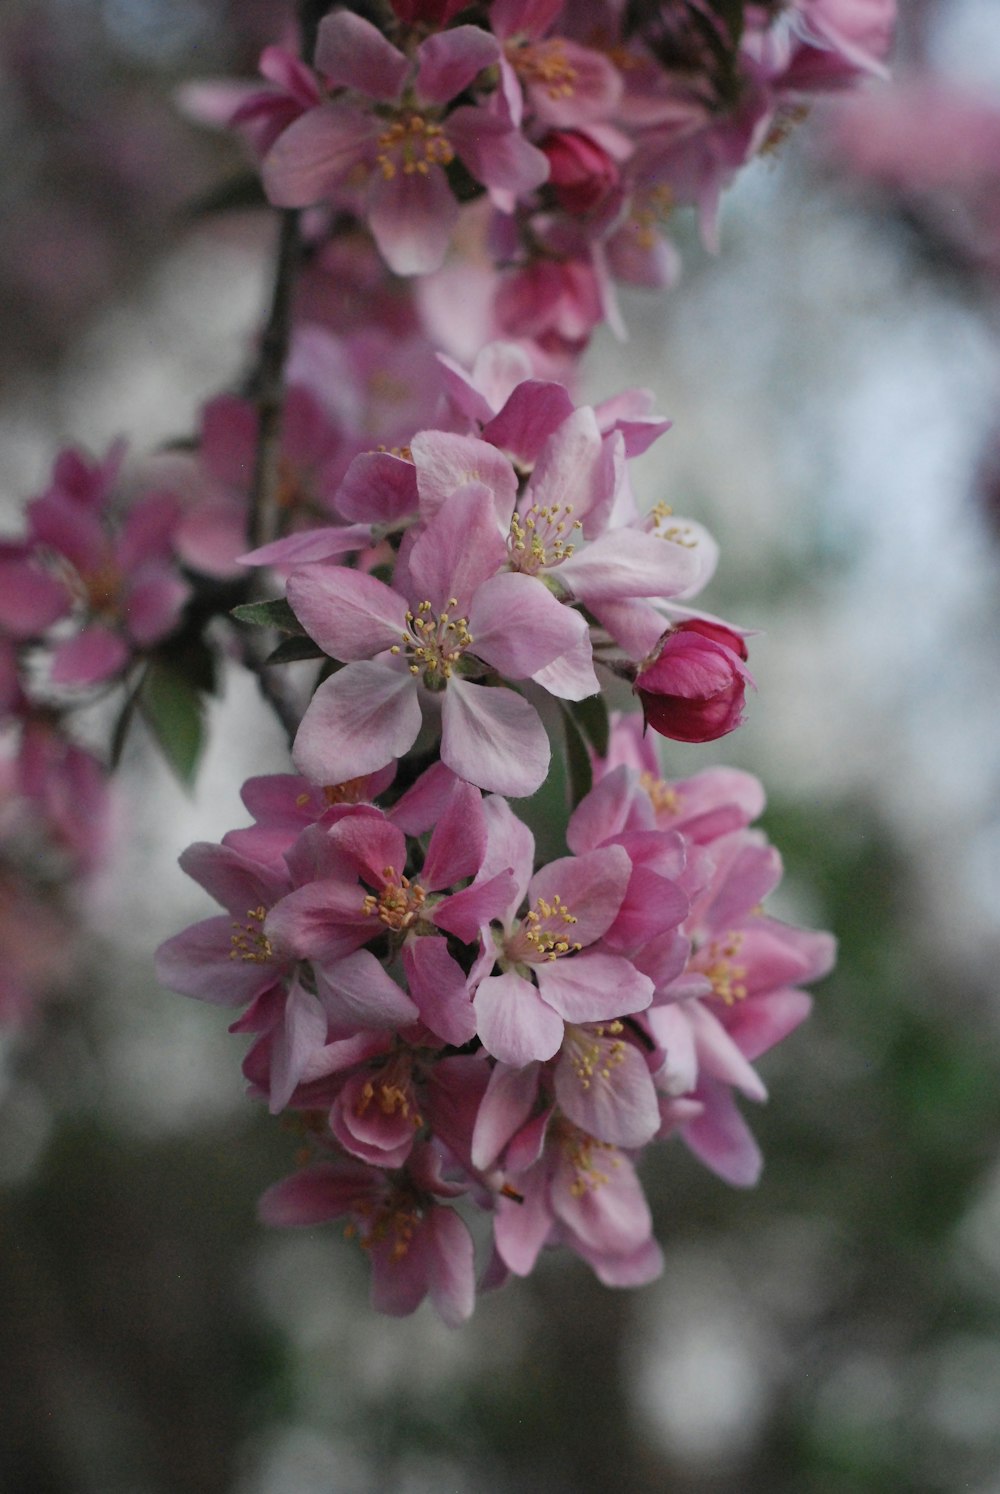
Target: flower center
(594, 1052)
(412, 145)
(677, 534)
(399, 903)
(666, 800)
(434, 643)
(716, 963)
(395, 1219)
(392, 1091)
(248, 940)
(542, 933)
(578, 1150)
(538, 537)
(544, 64)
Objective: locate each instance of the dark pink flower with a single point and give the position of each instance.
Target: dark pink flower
(693, 689)
(581, 172)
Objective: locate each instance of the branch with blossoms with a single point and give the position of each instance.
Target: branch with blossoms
(409, 493)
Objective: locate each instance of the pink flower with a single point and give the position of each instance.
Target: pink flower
(693, 688)
(424, 647)
(399, 138)
(416, 1245)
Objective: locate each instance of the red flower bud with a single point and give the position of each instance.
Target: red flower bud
(580, 171)
(692, 687)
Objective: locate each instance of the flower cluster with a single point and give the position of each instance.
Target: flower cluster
(579, 126)
(456, 1031)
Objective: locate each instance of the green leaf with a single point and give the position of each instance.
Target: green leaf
(292, 650)
(277, 614)
(174, 712)
(591, 716)
(581, 776)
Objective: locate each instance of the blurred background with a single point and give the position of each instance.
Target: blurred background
(834, 378)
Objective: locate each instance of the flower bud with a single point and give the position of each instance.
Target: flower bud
(580, 171)
(692, 686)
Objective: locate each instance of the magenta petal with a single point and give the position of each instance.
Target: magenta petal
(153, 606)
(93, 655)
(570, 471)
(238, 882)
(412, 218)
(354, 54)
(721, 1138)
(514, 1023)
(29, 599)
(196, 962)
(302, 1032)
(492, 738)
(316, 1194)
(312, 157)
(378, 488)
(449, 61)
(357, 991)
(458, 843)
(350, 614)
(765, 1020)
(495, 152)
(506, 1105)
(440, 990)
(593, 987)
(359, 720)
(466, 912)
(306, 545)
(635, 1269)
(718, 1055)
(529, 417)
(322, 921)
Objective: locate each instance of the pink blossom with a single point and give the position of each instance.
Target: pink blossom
(401, 152)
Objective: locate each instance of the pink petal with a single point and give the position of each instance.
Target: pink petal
(718, 1055)
(571, 676)
(721, 1138)
(519, 627)
(357, 992)
(29, 599)
(764, 1021)
(350, 614)
(506, 1105)
(301, 1033)
(591, 886)
(354, 53)
(359, 720)
(412, 217)
(458, 843)
(522, 1228)
(93, 655)
(325, 543)
(609, 1212)
(310, 159)
(606, 1090)
(466, 912)
(316, 1194)
(627, 563)
(460, 549)
(440, 990)
(445, 462)
(593, 986)
(378, 488)
(451, 1262)
(514, 1023)
(449, 61)
(495, 152)
(533, 412)
(153, 606)
(492, 738)
(196, 962)
(570, 471)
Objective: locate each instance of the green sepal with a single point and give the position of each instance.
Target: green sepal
(277, 614)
